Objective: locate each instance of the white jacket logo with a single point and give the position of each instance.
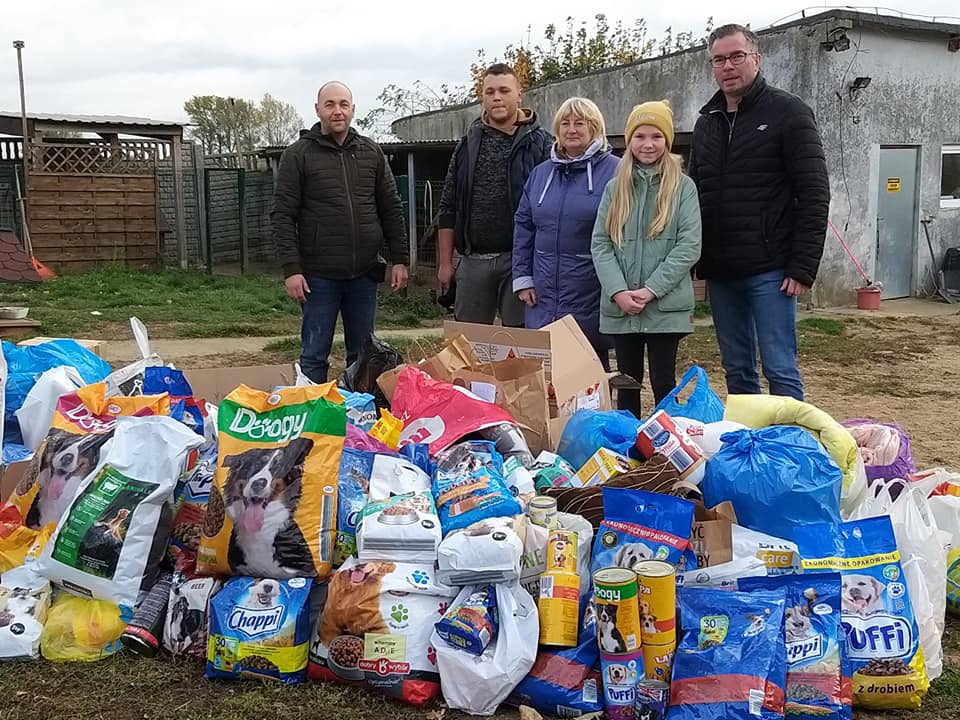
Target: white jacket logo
(281, 429)
(253, 622)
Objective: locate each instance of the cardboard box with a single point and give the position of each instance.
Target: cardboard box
(573, 369)
(214, 384)
(604, 464)
(712, 534)
(94, 346)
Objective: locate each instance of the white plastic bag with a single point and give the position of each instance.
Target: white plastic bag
(111, 540)
(923, 555)
(36, 413)
(478, 684)
(488, 551)
(128, 380)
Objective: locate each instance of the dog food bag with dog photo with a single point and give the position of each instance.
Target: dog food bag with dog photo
(272, 510)
(731, 660)
(24, 601)
(260, 629)
(185, 631)
(111, 541)
(376, 626)
(640, 525)
(193, 493)
(469, 486)
(83, 423)
(818, 678)
(882, 641)
(472, 623)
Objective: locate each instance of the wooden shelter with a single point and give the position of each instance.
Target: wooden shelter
(93, 199)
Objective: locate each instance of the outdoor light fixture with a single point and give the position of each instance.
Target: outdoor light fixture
(836, 40)
(859, 84)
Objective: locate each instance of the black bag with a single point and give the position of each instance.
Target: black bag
(376, 357)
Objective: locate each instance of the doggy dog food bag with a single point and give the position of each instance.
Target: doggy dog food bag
(818, 677)
(260, 629)
(272, 510)
(113, 537)
(882, 641)
(471, 625)
(375, 629)
(82, 424)
(469, 486)
(24, 601)
(640, 525)
(190, 506)
(185, 630)
(731, 660)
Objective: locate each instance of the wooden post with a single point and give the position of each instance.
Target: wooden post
(242, 202)
(178, 202)
(206, 218)
(412, 205)
(201, 198)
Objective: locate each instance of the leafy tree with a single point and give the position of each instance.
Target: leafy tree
(280, 122)
(227, 125)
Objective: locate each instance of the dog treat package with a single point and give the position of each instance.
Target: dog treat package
(185, 631)
(882, 641)
(469, 486)
(111, 540)
(272, 510)
(260, 629)
(402, 528)
(83, 423)
(731, 660)
(24, 601)
(183, 406)
(488, 551)
(639, 525)
(376, 626)
(472, 623)
(190, 503)
(818, 678)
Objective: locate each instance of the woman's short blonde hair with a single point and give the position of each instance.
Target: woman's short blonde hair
(585, 110)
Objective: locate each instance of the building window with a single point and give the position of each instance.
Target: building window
(950, 176)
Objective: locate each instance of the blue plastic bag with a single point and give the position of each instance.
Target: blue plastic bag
(778, 478)
(703, 404)
(565, 683)
(731, 661)
(589, 430)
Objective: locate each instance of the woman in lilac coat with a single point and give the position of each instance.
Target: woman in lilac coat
(553, 273)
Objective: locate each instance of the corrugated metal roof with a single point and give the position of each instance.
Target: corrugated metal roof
(94, 119)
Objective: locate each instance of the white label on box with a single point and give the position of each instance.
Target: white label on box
(484, 391)
(494, 352)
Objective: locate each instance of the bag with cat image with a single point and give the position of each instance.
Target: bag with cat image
(639, 525)
(272, 510)
(111, 540)
(376, 626)
(82, 424)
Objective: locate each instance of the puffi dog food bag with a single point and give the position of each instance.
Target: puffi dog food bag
(110, 542)
(272, 510)
(883, 641)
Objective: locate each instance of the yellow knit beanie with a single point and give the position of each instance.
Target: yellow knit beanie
(656, 113)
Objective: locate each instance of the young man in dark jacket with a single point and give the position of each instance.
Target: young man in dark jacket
(335, 206)
(758, 163)
(485, 180)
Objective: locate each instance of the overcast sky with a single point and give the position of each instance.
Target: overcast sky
(100, 57)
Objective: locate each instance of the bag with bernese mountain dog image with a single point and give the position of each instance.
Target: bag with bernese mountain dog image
(111, 540)
(82, 424)
(272, 510)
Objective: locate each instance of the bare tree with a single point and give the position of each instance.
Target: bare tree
(280, 123)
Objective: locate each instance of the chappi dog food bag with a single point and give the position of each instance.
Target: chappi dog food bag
(883, 642)
(639, 525)
(818, 678)
(260, 628)
(731, 660)
(272, 510)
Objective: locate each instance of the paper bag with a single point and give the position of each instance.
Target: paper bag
(455, 355)
(712, 534)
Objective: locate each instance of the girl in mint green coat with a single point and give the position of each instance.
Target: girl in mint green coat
(645, 242)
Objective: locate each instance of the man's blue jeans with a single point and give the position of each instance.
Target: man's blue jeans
(753, 311)
(355, 300)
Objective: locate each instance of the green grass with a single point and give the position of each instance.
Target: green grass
(411, 348)
(825, 326)
(702, 310)
(186, 304)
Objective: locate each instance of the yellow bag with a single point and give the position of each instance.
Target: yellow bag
(387, 430)
(81, 630)
(15, 542)
(272, 510)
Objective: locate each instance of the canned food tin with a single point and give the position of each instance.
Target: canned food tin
(657, 590)
(542, 511)
(653, 698)
(562, 551)
(618, 636)
(559, 608)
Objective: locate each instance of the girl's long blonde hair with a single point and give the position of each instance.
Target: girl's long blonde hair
(670, 168)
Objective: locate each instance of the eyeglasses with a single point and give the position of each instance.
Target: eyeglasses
(737, 58)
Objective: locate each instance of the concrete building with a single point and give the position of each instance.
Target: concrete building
(886, 92)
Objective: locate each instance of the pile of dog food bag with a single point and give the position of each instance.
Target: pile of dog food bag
(754, 558)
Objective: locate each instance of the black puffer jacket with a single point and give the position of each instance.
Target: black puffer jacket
(334, 207)
(764, 191)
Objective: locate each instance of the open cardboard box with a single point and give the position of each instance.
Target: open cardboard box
(712, 534)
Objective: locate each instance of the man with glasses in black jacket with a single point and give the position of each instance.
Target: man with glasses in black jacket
(758, 162)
